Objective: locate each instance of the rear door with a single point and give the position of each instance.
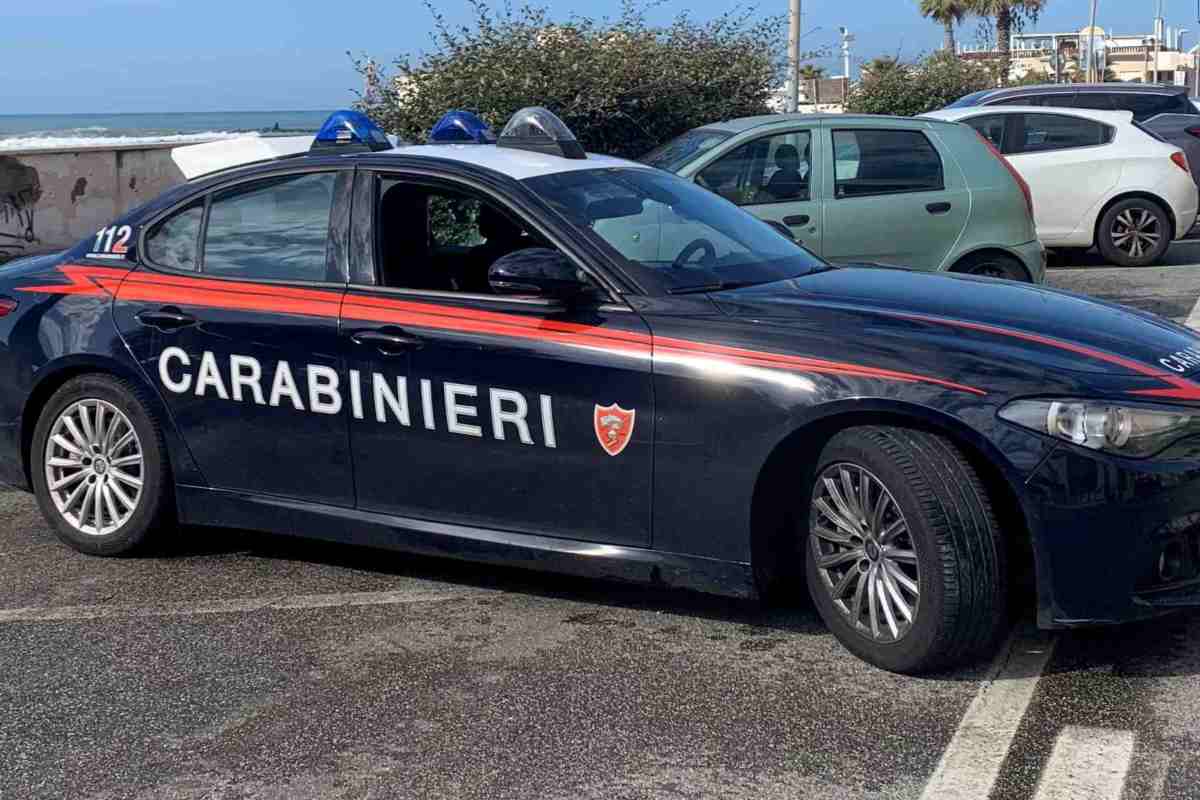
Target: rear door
(774, 177)
(233, 314)
(1066, 162)
(894, 198)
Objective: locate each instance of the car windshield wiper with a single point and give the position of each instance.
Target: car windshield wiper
(715, 286)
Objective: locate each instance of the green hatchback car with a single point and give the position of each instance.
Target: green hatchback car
(917, 193)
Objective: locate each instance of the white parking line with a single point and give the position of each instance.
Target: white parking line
(235, 606)
(1087, 763)
(971, 763)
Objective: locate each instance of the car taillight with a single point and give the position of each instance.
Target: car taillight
(1194, 131)
(1011, 171)
(1181, 161)
(7, 306)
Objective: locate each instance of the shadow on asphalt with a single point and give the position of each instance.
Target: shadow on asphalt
(1184, 253)
(796, 616)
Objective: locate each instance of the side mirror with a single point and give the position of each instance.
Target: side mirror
(538, 271)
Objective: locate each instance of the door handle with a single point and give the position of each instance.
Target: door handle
(389, 341)
(166, 319)
(797, 219)
(938, 208)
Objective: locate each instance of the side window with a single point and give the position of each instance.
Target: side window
(991, 128)
(871, 161)
(276, 228)
(772, 169)
(174, 243)
(1101, 101)
(1044, 132)
(435, 238)
(1146, 105)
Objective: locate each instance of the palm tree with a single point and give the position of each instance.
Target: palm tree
(1008, 14)
(947, 12)
(812, 74)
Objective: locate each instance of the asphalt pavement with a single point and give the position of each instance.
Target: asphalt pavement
(238, 665)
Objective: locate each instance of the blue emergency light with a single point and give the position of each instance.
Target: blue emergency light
(350, 131)
(461, 127)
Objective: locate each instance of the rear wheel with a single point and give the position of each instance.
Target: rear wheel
(904, 557)
(992, 265)
(1134, 233)
(99, 466)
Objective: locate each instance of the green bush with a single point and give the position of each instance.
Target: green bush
(910, 89)
(623, 86)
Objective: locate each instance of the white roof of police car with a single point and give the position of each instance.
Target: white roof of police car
(518, 164)
(1107, 117)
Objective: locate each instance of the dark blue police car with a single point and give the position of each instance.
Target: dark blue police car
(513, 351)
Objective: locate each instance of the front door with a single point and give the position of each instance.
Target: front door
(894, 200)
(238, 328)
(774, 177)
(504, 413)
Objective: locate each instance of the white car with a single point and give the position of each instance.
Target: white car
(1097, 178)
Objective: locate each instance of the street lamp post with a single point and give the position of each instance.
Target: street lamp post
(1091, 55)
(793, 101)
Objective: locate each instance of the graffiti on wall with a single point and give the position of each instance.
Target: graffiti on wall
(20, 191)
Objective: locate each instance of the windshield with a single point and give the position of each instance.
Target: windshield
(682, 150)
(687, 237)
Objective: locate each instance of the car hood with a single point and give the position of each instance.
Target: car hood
(1021, 324)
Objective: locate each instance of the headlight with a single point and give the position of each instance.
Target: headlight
(1125, 430)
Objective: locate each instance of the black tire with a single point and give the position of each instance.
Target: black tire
(992, 265)
(959, 553)
(153, 507)
(1115, 223)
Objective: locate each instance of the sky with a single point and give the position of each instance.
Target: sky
(111, 56)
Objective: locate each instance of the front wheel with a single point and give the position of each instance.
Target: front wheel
(1134, 233)
(100, 471)
(905, 561)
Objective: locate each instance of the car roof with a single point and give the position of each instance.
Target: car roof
(516, 164)
(987, 96)
(961, 112)
(743, 124)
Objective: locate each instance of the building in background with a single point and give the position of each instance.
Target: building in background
(1063, 57)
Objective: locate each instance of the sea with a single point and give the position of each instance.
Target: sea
(48, 131)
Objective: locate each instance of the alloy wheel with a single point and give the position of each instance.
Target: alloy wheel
(864, 553)
(1136, 232)
(95, 467)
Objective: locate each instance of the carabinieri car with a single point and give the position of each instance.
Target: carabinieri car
(440, 349)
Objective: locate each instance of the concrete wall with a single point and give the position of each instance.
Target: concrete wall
(50, 199)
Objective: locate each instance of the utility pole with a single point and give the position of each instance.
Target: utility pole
(1158, 27)
(793, 88)
(847, 38)
(1091, 54)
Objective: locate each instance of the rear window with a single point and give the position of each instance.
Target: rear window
(972, 99)
(871, 162)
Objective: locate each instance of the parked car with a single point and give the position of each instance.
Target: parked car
(1159, 107)
(911, 192)
(1098, 178)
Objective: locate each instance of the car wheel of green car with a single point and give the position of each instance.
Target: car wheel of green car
(992, 265)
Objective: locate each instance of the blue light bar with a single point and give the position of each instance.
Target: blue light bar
(349, 131)
(461, 127)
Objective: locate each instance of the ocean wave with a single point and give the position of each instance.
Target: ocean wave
(59, 142)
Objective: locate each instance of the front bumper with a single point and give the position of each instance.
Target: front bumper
(1116, 539)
